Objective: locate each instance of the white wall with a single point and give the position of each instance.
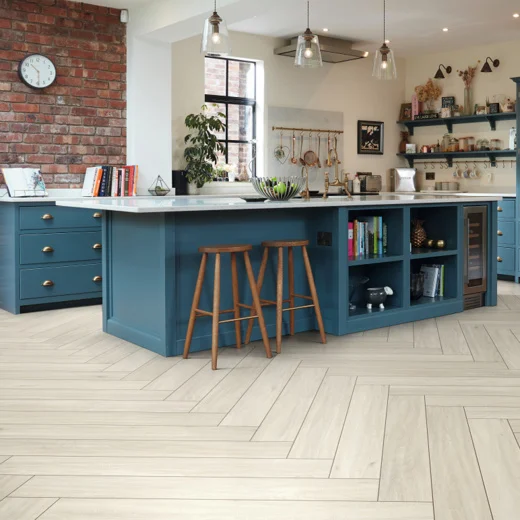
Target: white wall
(420, 68)
(347, 88)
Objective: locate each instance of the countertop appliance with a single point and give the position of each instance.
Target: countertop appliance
(402, 179)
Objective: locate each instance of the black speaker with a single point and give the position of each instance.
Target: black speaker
(179, 182)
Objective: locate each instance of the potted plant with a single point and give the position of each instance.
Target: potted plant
(203, 145)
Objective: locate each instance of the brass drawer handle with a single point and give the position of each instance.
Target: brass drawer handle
(97, 279)
(499, 233)
(48, 283)
(499, 259)
(97, 215)
(96, 246)
(47, 216)
(499, 209)
(48, 249)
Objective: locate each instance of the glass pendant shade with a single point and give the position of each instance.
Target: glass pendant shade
(308, 52)
(384, 64)
(215, 38)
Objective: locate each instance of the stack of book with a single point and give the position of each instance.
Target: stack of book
(367, 237)
(433, 280)
(109, 181)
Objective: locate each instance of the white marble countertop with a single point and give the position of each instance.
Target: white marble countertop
(188, 204)
(470, 194)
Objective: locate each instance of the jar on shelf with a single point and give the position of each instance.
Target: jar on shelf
(471, 144)
(454, 145)
(445, 142)
(495, 144)
(463, 144)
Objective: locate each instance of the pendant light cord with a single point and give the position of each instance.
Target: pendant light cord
(308, 14)
(384, 21)
(215, 9)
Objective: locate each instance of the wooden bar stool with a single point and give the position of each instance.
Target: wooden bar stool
(280, 245)
(256, 308)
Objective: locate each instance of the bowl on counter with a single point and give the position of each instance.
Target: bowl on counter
(278, 188)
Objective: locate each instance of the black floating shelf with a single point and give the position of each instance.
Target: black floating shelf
(450, 121)
(491, 155)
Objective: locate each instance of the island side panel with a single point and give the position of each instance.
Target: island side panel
(139, 279)
(252, 227)
(9, 258)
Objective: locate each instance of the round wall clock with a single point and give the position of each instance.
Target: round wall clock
(37, 71)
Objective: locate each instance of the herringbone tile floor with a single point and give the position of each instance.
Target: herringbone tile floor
(413, 422)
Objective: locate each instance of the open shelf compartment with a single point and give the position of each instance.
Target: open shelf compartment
(379, 275)
(440, 223)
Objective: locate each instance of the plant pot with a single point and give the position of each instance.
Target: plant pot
(192, 189)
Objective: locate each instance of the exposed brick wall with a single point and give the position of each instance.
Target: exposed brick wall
(78, 121)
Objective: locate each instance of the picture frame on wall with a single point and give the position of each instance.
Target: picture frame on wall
(405, 113)
(370, 138)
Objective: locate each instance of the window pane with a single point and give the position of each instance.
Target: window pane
(215, 76)
(241, 155)
(213, 110)
(241, 79)
(240, 122)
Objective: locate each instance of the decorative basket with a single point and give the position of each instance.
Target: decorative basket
(278, 188)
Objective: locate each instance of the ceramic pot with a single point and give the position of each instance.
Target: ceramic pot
(377, 296)
(192, 189)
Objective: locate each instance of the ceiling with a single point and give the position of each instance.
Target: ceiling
(413, 26)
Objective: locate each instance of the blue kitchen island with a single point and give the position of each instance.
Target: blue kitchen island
(151, 261)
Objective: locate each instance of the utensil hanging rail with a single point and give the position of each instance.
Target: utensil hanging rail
(313, 130)
(462, 161)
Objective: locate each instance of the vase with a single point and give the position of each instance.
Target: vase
(418, 236)
(468, 101)
(404, 142)
(192, 189)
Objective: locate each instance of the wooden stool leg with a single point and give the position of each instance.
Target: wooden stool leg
(257, 305)
(236, 300)
(260, 283)
(279, 301)
(314, 294)
(195, 304)
(216, 313)
(290, 262)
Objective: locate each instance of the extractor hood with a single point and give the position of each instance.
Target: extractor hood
(333, 50)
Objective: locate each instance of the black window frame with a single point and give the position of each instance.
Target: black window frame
(232, 100)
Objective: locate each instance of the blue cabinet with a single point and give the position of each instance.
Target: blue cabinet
(48, 254)
(507, 238)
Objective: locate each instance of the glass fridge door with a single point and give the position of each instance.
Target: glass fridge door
(475, 266)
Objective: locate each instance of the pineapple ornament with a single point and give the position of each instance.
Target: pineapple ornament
(418, 237)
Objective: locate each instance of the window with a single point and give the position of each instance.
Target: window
(230, 84)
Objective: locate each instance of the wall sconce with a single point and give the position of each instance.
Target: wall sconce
(439, 74)
(487, 68)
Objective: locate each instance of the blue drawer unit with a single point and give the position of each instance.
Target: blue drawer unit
(48, 254)
(507, 240)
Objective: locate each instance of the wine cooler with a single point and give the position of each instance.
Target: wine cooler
(475, 256)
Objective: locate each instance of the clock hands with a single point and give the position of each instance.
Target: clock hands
(35, 69)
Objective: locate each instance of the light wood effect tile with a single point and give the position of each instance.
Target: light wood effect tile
(401, 333)
(202, 488)
(259, 398)
(177, 375)
(474, 401)
(499, 458)
(507, 345)
(86, 509)
(285, 418)
(361, 443)
(480, 343)
(452, 338)
(133, 361)
(321, 430)
(515, 425)
(10, 482)
(163, 466)
(456, 391)
(24, 508)
(405, 471)
(489, 412)
(458, 491)
(425, 334)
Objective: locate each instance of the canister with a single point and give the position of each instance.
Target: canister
(463, 144)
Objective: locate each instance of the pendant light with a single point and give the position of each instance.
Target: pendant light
(215, 38)
(384, 62)
(308, 52)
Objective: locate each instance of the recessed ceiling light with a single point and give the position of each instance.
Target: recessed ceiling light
(445, 29)
(516, 15)
(325, 29)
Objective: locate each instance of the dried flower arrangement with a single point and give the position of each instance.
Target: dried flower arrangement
(428, 93)
(468, 75)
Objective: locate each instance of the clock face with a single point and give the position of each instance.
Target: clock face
(37, 71)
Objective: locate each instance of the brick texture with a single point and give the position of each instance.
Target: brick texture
(78, 121)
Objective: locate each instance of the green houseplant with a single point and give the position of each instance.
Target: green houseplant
(203, 145)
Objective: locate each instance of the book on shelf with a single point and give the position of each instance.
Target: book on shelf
(110, 181)
(367, 237)
(24, 182)
(433, 280)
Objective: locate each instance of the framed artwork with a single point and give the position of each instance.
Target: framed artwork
(494, 108)
(406, 112)
(370, 137)
(448, 101)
